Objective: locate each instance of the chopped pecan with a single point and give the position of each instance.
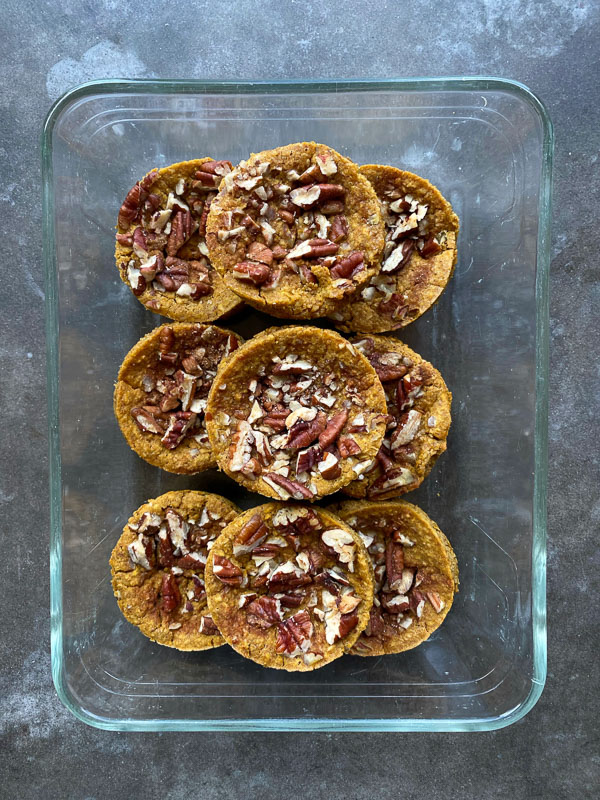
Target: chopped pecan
(304, 434)
(347, 603)
(429, 247)
(436, 601)
(181, 422)
(131, 207)
(241, 446)
(146, 421)
(288, 575)
(276, 419)
(207, 625)
(339, 228)
(166, 339)
(393, 479)
(227, 572)
(314, 248)
(279, 253)
(290, 600)
(389, 372)
(348, 446)
(252, 271)
(333, 428)
(181, 230)
(125, 239)
(219, 168)
(329, 467)
(260, 252)
(395, 306)
(199, 588)
(408, 427)
(341, 542)
(394, 564)
(398, 258)
(349, 266)
(204, 216)
(308, 458)
(169, 590)
(394, 603)
(252, 533)
(286, 215)
(293, 634)
(295, 489)
(264, 612)
(375, 625)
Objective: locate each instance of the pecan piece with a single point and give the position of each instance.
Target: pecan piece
(181, 422)
(260, 252)
(288, 575)
(264, 612)
(181, 230)
(375, 625)
(290, 600)
(408, 427)
(132, 204)
(220, 168)
(398, 258)
(333, 428)
(394, 307)
(252, 271)
(436, 601)
(241, 446)
(293, 634)
(227, 572)
(252, 534)
(146, 421)
(207, 626)
(314, 248)
(304, 434)
(339, 228)
(295, 489)
(125, 239)
(169, 590)
(166, 339)
(389, 372)
(348, 446)
(394, 564)
(276, 419)
(349, 266)
(308, 458)
(204, 215)
(429, 247)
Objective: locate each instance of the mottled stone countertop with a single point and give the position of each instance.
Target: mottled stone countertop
(553, 47)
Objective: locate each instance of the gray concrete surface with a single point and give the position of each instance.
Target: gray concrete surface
(553, 47)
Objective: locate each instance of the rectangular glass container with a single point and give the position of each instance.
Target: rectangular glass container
(487, 144)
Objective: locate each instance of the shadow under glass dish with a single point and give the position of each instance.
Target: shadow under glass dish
(486, 144)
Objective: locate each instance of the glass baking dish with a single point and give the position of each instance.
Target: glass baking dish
(487, 144)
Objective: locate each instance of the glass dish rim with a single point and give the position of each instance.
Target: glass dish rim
(190, 86)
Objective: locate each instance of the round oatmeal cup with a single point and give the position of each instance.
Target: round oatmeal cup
(161, 394)
(158, 567)
(296, 413)
(416, 574)
(295, 230)
(161, 249)
(289, 586)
